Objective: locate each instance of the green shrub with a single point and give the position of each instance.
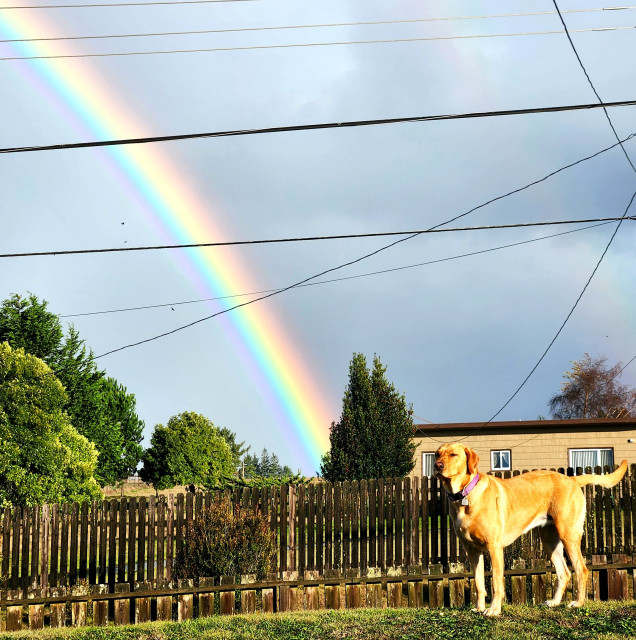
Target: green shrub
(226, 541)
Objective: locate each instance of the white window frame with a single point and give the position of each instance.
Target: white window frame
(597, 450)
(492, 460)
(432, 455)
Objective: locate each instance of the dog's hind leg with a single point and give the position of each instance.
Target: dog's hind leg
(571, 534)
(554, 548)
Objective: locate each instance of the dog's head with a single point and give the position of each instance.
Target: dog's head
(455, 460)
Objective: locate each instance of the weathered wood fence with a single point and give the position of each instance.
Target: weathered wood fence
(397, 587)
(319, 527)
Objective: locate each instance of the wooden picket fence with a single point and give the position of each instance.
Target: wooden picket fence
(318, 527)
(73, 563)
(98, 605)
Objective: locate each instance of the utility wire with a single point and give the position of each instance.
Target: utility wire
(117, 4)
(569, 315)
(332, 269)
(576, 53)
(567, 32)
(342, 279)
(304, 44)
(312, 26)
(350, 236)
(315, 127)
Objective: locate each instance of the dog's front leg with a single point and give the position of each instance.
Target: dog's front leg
(476, 558)
(498, 587)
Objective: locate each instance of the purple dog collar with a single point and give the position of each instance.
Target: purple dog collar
(462, 495)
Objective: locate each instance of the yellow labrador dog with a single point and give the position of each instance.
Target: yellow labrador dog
(489, 514)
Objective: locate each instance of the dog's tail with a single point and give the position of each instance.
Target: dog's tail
(608, 480)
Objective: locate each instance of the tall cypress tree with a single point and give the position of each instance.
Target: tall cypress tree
(373, 438)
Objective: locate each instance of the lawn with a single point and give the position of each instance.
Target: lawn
(606, 621)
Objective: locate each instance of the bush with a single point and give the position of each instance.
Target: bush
(226, 541)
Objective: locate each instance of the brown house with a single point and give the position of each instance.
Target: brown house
(532, 444)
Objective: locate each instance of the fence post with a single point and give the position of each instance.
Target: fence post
(538, 582)
(353, 591)
(164, 604)
(14, 613)
(374, 589)
(267, 596)
(617, 580)
(185, 601)
(248, 596)
(100, 607)
(142, 605)
(519, 583)
(206, 600)
(122, 607)
(394, 588)
(312, 594)
(36, 611)
(284, 596)
(78, 608)
(57, 609)
(332, 591)
(416, 588)
(435, 586)
(457, 586)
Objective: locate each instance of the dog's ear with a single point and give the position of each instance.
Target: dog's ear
(472, 460)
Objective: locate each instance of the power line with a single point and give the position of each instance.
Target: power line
(342, 279)
(330, 270)
(576, 53)
(618, 226)
(350, 236)
(118, 4)
(313, 26)
(304, 44)
(315, 127)
(569, 315)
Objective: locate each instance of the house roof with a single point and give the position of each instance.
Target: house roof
(530, 426)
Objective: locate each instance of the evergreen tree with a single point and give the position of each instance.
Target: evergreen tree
(267, 466)
(99, 407)
(373, 438)
(238, 449)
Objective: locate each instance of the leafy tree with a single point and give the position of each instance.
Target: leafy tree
(373, 438)
(188, 450)
(267, 466)
(237, 448)
(44, 459)
(592, 390)
(99, 408)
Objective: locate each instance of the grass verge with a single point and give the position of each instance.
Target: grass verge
(606, 621)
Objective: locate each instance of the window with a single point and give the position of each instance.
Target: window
(428, 460)
(591, 458)
(500, 460)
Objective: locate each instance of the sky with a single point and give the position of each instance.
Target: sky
(458, 336)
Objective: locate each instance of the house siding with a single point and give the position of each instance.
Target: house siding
(541, 444)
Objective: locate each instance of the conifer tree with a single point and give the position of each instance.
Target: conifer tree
(373, 438)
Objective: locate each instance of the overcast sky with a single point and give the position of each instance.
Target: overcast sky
(459, 336)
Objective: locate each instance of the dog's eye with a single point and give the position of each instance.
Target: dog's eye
(453, 455)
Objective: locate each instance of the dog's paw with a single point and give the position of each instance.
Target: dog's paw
(575, 604)
(492, 611)
(551, 603)
(478, 609)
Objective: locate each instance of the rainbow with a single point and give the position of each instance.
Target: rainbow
(172, 205)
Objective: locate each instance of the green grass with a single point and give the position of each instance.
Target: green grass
(606, 621)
